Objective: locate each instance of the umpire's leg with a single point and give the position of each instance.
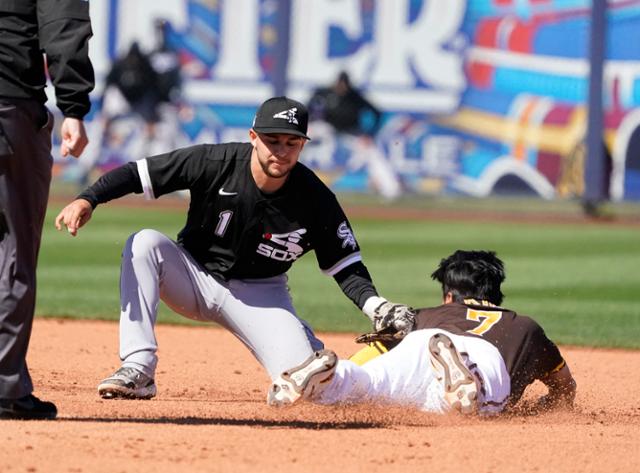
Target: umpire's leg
(25, 175)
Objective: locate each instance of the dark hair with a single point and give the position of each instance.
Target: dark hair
(471, 275)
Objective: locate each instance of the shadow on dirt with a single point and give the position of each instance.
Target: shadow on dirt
(294, 424)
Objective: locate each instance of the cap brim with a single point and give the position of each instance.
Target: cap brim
(281, 131)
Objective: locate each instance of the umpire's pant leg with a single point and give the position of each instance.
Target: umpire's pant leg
(25, 176)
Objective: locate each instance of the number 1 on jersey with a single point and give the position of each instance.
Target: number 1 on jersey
(487, 318)
(223, 222)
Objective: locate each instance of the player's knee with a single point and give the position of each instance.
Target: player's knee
(144, 242)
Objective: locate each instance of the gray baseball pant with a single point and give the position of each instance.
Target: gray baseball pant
(25, 176)
(258, 312)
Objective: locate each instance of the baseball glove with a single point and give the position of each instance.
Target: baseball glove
(388, 337)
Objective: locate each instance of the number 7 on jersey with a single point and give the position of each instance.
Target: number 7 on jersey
(487, 318)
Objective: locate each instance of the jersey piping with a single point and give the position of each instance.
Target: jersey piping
(343, 263)
(145, 179)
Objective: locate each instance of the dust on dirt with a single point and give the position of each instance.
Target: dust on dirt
(210, 415)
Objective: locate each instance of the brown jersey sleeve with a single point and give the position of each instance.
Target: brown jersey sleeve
(535, 358)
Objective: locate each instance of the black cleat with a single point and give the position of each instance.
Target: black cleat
(27, 408)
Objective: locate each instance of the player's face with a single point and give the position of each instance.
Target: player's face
(277, 153)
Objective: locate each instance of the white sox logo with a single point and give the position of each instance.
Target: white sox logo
(289, 249)
(289, 115)
(346, 235)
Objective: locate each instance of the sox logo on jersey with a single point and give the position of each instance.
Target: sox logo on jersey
(288, 250)
(346, 235)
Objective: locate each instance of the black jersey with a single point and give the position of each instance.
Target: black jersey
(235, 230)
(59, 28)
(527, 352)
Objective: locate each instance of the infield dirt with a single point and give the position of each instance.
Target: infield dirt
(210, 415)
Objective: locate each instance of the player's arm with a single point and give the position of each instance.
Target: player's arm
(548, 366)
(64, 32)
(116, 183)
(562, 389)
(355, 281)
(338, 255)
(154, 176)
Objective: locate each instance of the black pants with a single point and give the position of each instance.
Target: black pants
(25, 176)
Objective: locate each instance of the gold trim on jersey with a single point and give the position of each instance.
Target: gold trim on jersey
(475, 302)
(559, 367)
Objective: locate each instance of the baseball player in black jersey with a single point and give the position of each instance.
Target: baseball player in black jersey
(469, 354)
(254, 210)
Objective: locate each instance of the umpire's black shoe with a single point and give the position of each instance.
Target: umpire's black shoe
(27, 408)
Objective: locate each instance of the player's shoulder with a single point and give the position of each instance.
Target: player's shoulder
(524, 325)
(206, 158)
(307, 179)
(528, 323)
(449, 309)
(426, 311)
(226, 151)
(214, 157)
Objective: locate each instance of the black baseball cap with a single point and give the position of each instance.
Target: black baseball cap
(282, 115)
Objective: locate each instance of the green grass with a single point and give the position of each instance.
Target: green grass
(581, 282)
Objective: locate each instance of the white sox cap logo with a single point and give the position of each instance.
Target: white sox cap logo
(289, 115)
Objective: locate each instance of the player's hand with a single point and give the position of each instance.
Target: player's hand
(387, 315)
(544, 404)
(74, 216)
(386, 337)
(74, 137)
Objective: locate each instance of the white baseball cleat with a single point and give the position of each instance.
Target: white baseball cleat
(304, 380)
(460, 385)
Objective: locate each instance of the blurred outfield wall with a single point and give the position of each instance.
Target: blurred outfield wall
(480, 96)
